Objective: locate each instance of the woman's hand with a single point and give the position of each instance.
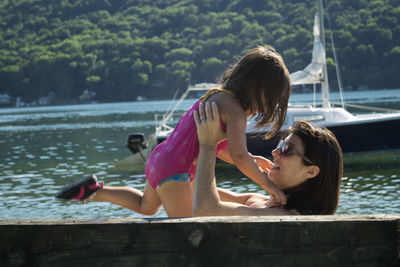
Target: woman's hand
(209, 130)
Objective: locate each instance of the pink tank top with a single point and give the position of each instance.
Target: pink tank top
(176, 154)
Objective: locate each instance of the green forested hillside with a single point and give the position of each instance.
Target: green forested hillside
(122, 49)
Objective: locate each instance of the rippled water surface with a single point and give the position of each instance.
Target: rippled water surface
(47, 147)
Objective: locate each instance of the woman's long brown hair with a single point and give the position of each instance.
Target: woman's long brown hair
(318, 195)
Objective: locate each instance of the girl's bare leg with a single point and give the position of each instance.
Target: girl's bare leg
(147, 202)
(176, 198)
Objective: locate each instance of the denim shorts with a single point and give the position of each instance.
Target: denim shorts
(182, 177)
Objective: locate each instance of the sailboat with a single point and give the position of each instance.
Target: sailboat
(355, 133)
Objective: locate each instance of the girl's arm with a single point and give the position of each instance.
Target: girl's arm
(236, 122)
(206, 200)
(225, 156)
(263, 163)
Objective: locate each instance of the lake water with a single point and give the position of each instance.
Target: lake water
(43, 148)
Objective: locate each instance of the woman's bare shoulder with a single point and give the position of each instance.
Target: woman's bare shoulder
(264, 208)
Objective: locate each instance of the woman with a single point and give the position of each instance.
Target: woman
(307, 166)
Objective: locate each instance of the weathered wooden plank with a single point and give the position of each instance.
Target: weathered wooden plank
(367, 240)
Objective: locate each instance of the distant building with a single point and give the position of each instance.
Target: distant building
(5, 99)
(87, 96)
(19, 102)
(46, 100)
(43, 101)
(141, 98)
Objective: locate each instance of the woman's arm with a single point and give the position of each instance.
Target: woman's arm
(206, 200)
(241, 198)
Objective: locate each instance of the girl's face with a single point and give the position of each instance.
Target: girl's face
(289, 171)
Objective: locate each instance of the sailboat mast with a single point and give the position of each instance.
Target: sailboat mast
(324, 80)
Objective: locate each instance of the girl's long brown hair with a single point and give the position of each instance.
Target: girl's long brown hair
(261, 83)
(318, 195)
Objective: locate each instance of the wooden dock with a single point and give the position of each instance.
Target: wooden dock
(364, 240)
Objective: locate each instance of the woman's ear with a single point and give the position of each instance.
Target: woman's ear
(312, 171)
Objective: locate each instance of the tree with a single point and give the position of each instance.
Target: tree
(124, 48)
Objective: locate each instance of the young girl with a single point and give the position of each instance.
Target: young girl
(257, 85)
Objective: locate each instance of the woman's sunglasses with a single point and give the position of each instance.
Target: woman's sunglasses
(286, 149)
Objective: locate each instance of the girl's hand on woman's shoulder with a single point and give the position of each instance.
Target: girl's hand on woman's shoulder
(273, 202)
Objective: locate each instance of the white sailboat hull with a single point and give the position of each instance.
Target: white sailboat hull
(369, 132)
